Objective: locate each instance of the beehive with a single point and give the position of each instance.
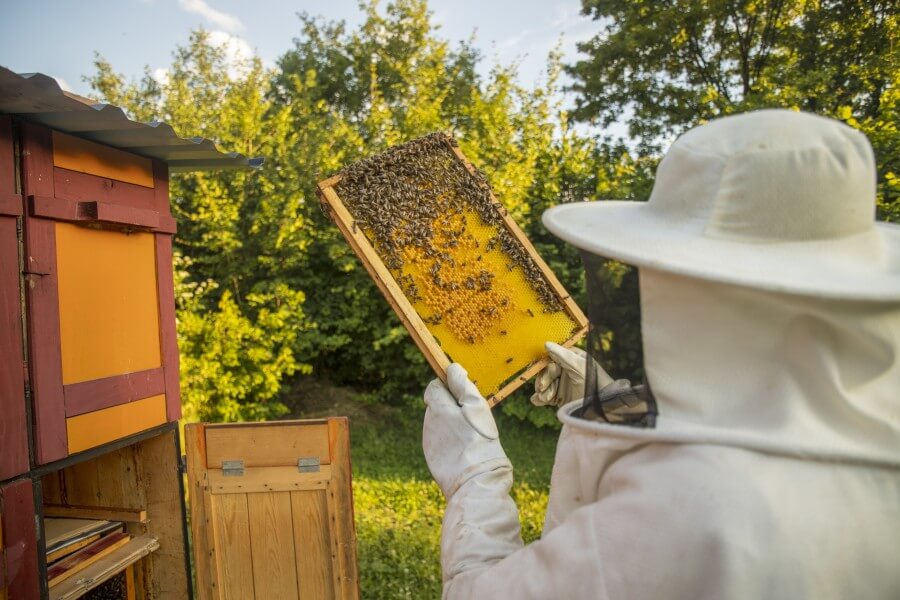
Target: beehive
(459, 272)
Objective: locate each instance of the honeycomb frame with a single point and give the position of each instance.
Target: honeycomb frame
(417, 324)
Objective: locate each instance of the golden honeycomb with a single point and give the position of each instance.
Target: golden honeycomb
(440, 233)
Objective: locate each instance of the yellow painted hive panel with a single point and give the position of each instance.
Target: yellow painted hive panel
(108, 305)
(483, 295)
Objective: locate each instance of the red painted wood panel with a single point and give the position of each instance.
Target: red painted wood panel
(98, 394)
(13, 420)
(72, 185)
(168, 334)
(19, 540)
(42, 301)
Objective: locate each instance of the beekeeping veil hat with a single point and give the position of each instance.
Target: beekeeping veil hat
(770, 297)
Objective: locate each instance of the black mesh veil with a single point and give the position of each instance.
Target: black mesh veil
(616, 402)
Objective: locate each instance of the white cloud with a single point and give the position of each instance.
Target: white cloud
(161, 75)
(221, 19)
(237, 51)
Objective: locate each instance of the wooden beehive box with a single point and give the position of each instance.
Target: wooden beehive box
(89, 396)
(458, 271)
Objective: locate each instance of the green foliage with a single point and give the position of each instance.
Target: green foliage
(267, 287)
(672, 65)
(398, 507)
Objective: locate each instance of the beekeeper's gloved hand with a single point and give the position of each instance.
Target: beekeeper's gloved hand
(563, 379)
(459, 435)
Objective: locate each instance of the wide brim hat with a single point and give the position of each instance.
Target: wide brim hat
(775, 199)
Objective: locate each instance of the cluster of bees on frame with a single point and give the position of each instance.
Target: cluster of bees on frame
(415, 203)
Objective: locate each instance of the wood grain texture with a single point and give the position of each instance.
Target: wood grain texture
(234, 564)
(42, 301)
(314, 544)
(13, 422)
(168, 336)
(105, 513)
(272, 545)
(20, 540)
(200, 502)
(267, 444)
(84, 156)
(384, 280)
(85, 557)
(72, 185)
(300, 525)
(99, 427)
(139, 477)
(268, 479)
(105, 568)
(342, 497)
(97, 394)
(108, 215)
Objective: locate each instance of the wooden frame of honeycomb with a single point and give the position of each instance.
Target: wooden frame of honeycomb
(402, 293)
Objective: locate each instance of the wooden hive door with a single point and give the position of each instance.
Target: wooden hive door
(272, 510)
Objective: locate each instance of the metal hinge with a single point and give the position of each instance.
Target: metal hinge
(308, 464)
(232, 468)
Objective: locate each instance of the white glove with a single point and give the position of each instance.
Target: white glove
(563, 379)
(459, 435)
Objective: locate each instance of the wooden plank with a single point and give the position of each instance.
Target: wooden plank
(13, 422)
(77, 154)
(161, 478)
(113, 216)
(106, 513)
(71, 548)
(234, 560)
(272, 545)
(268, 479)
(202, 526)
(72, 185)
(99, 427)
(342, 494)
(129, 583)
(105, 568)
(60, 530)
(42, 301)
(168, 336)
(97, 394)
(385, 281)
(313, 544)
(267, 444)
(85, 557)
(108, 312)
(20, 540)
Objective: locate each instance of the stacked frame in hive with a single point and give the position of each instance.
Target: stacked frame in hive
(458, 271)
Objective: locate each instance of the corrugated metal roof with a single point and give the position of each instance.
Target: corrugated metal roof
(38, 98)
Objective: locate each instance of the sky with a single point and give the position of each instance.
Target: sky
(59, 38)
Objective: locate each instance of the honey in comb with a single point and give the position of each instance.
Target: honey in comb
(439, 231)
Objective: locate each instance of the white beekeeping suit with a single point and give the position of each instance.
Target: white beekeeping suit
(770, 306)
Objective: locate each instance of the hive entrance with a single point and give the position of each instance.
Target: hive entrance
(421, 213)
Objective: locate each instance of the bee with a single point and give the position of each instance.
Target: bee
(509, 360)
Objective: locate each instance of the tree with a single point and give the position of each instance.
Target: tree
(267, 287)
(669, 65)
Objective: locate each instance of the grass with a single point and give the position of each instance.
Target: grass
(398, 508)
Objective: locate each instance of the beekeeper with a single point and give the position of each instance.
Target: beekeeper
(762, 458)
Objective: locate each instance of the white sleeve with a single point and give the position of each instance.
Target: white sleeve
(562, 564)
